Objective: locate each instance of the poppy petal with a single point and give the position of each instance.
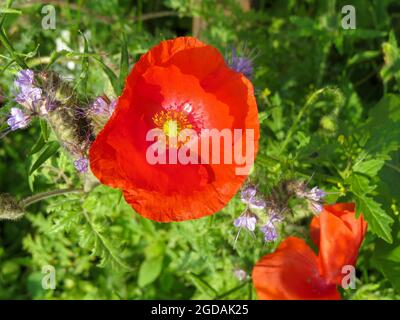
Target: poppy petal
(338, 234)
(292, 273)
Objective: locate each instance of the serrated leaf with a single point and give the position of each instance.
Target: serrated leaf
(149, 270)
(369, 167)
(52, 148)
(379, 222)
(360, 185)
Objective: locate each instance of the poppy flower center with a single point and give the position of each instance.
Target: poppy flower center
(171, 122)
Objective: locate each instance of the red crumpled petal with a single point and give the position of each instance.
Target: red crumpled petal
(339, 235)
(292, 273)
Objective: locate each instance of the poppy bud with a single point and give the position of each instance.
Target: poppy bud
(10, 208)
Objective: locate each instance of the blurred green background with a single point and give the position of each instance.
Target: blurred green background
(329, 106)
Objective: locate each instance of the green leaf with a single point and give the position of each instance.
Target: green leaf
(10, 11)
(44, 128)
(386, 259)
(38, 146)
(124, 66)
(149, 270)
(382, 129)
(83, 77)
(379, 222)
(7, 10)
(92, 235)
(359, 184)
(111, 76)
(363, 56)
(202, 285)
(369, 167)
(57, 55)
(52, 148)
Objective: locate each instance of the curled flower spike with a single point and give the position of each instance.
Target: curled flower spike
(17, 119)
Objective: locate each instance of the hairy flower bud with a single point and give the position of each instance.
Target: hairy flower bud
(10, 208)
(66, 117)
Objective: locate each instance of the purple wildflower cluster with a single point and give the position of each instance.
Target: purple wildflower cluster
(249, 219)
(30, 97)
(315, 197)
(274, 208)
(35, 102)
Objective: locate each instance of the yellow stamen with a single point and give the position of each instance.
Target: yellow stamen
(172, 122)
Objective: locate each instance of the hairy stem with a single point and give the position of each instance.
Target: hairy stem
(45, 195)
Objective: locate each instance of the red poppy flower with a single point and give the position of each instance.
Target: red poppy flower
(295, 272)
(179, 84)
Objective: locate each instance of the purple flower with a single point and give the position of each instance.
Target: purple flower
(47, 106)
(316, 206)
(99, 106)
(275, 216)
(269, 231)
(25, 78)
(316, 194)
(241, 64)
(257, 204)
(18, 119)
(248, 193)
(249, 197)
(81, 165)
(112, 106)
(247, 221)
(240, 274)
(29, 97)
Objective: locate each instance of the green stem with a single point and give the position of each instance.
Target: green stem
(294, 126)
(392, 166)
(45, 195)
(10, 49)
(229, 292)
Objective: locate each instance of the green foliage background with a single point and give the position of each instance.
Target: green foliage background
(329, 105)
